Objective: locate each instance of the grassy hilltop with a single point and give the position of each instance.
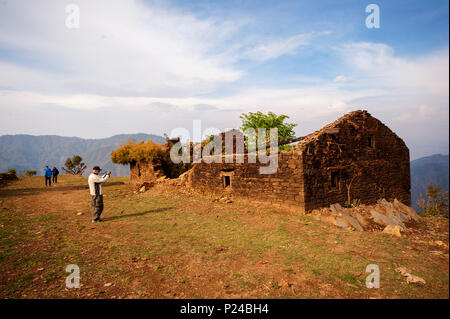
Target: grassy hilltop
(167, 244)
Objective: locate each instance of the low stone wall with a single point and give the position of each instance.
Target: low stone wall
(284, 188)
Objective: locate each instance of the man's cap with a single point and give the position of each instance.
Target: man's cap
(96, 168)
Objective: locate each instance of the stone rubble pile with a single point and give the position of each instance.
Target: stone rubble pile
(390, 217)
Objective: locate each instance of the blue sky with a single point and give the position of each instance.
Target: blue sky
(153, 66)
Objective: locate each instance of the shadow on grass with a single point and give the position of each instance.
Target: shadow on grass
(38, 190)
(157, 210)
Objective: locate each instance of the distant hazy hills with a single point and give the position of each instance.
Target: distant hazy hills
(28, 152)
(428, 170)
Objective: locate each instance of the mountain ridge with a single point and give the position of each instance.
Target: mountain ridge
(432, 169)
(33, 152)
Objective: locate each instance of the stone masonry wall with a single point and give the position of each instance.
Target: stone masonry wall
(358, 147)
(143, 172)
(355, 152)
(284, 188)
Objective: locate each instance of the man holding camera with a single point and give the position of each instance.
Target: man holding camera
(95, 188)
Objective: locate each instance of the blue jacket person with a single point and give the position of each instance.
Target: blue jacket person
(48, 176)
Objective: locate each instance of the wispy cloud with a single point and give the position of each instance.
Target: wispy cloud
(377, 64)
(342, 78)
(278, 47)
(122, 48)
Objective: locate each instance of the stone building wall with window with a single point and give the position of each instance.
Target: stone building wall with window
(284, 188)
(356, 155)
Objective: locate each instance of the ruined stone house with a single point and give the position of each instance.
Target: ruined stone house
(141, 172)
(356, 156)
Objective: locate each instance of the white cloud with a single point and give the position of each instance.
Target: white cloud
(122, 48)
(377, 64)
(426, 110)
(342, 78)
(279, 47)
(422, 113)
(312, 105)
(127, 48)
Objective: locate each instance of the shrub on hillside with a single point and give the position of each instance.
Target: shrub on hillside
(30, 173)
(148, 152)
(435, 203)
(138, 152)
(12, 171)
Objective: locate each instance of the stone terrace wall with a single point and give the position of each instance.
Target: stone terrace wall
(361, 145)
(284, 188)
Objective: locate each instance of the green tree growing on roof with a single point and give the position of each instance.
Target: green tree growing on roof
(267, 121)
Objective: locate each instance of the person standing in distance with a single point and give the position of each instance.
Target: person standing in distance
(55, 175)
(48, 176)
(95, 188)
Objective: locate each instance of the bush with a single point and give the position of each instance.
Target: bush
(30, 173)
(148, 152)
(138, 152)
(435, 203)
(12, 171)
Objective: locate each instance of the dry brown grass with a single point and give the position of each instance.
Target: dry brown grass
(165, 244)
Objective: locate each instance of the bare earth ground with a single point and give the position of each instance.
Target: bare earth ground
(165, 244)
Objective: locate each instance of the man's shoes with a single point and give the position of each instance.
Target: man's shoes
(97, 220)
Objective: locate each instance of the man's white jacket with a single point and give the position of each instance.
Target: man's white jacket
(95, 183)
